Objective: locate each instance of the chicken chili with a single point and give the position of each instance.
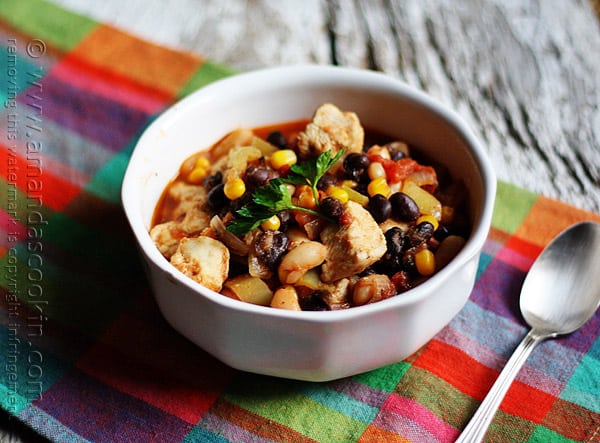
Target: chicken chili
(310, 215)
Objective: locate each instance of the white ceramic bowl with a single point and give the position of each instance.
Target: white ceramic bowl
(314, 346)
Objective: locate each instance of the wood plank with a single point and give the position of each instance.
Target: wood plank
(520, 72)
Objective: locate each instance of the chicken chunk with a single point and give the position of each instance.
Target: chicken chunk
(190, 217)
(190, 206)
(339, 297)
(203, 259)
(353, 246)
(166, 237)
(331, 130)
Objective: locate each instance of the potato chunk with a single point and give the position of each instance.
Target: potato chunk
(353, 246)
(203, 259)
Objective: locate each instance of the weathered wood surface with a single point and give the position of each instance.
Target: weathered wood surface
(525, 74)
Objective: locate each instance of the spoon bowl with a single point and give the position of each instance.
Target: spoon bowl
(559, 295)
(568, 270)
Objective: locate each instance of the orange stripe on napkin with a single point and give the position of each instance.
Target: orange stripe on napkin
(104, 82)
(498, 235)
(547, 218)
(128, 56)
(373, 433)
(583, 423)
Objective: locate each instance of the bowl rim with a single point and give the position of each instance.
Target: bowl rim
(294, 76)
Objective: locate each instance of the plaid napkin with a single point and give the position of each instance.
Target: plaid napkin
(86, 356)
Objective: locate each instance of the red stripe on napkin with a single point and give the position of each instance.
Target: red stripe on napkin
(450, 363)
(145, 359)
(37, 181)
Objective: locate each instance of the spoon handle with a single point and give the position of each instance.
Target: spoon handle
(479, 423)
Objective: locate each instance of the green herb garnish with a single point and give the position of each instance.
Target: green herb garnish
(274, 197)
(311, 171)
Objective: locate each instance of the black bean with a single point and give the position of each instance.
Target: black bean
(326, 181)
(364, 178)
(394, 238)
(258, 175)
(286, 218)
(397, 155)
(270, 246)
(391, 261)
(380, 208)
(408, 262)
(238, 203)
(276, 138)
(331, 207)
(211, 181)
(397, 150)
(362, 188)
(355, 164)
(404, 208)
(313, 302)
(368, 271)
(216, 197)
(441, 232)
(419, 234)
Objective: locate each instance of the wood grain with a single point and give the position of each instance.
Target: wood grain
(522, 73)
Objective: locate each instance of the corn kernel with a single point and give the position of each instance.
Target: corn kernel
(271, 224)
(197, 175)
(376, 170)
(337, 192)
(234, 188)
(429, 218)
(425, 262)
(202, 162)
(378, 186)
(283, 157)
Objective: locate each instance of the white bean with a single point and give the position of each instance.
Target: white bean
(286, 297)
(372, 288)
(298, 261)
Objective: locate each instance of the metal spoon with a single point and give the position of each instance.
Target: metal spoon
(560, 294)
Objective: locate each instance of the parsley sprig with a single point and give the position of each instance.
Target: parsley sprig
(274, 197)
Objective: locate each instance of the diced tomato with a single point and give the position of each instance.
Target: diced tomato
(345, 219)
(302, 217)
(283, 171)
(400, 169)
(401, 281)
